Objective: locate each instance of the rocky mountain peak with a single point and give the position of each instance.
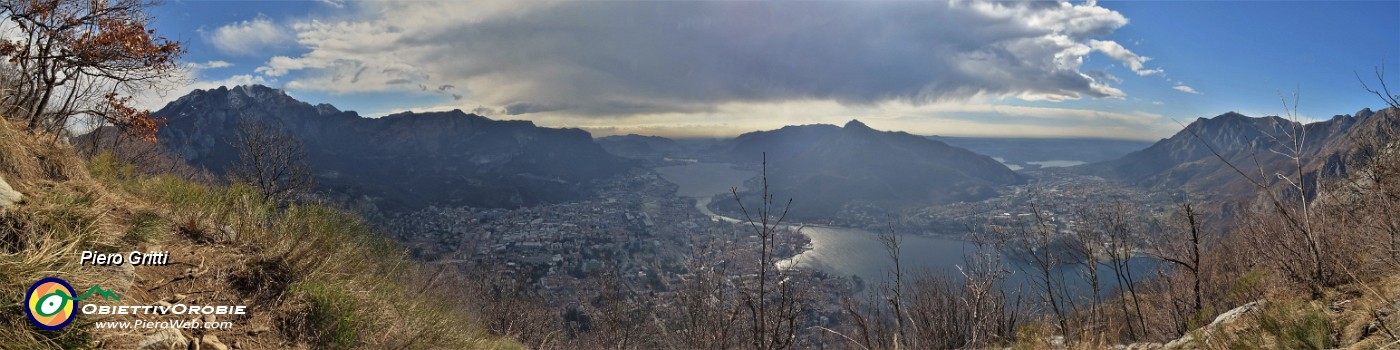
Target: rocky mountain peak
(1191, 159)
(855, 124)
(1364, 112)
(258, 93)
(1227, 118)
(326, 109)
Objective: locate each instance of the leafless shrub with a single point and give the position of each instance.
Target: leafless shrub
(1183, 251)
(772, 302)
(145, 157)
(704, 313)
(506, 305)
(271, 159)
(925, 309)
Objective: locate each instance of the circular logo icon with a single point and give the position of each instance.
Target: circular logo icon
(50, 303)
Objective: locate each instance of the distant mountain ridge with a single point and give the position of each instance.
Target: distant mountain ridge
(638, 146)
(1023, 150)
(1186, 161)
(401, 161)
(826, 168)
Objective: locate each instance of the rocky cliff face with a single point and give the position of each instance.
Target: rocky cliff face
(826, 167)
(401, 161)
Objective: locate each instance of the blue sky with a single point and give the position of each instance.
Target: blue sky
(1107, 69)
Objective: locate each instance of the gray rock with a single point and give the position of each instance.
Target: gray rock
(8, 195)
(1188, 341)
(229, 234)
(164, 339)
(123, 276)
(1234, 314)
(209, 341)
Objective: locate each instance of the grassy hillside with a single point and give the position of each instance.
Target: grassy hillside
(311, 276)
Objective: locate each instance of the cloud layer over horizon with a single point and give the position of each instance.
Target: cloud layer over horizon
(625, 58)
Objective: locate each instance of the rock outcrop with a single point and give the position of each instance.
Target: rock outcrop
(164, 339)
(8, 196)
(1193, 339)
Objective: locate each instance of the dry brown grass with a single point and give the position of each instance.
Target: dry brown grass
(315, 276)
(63, 211)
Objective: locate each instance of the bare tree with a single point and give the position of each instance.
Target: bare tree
(1186, 255)
(937, 310)
(619, 318)
(993, 314)
(508, 306)
(146, 157)
(1088, 247)
(773, 304)
(1291, 202)
(705, 315)
(1117, 223)
(895, 288)
(84, 58)
(1376, 186)
(271, 159)
(1382, 90)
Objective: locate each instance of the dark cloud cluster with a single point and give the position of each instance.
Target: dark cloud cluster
(632, 57)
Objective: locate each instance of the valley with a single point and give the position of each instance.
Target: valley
(645, 224)
(707, 175)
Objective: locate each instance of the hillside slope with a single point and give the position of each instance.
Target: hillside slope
(309, 276)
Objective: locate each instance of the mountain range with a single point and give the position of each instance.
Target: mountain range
(1261, 148)
(827, 168)
(411, 160)
(400, 161)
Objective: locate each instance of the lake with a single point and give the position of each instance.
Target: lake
(697, 180)
(1057, 163)
(835, 250)
(855, 252)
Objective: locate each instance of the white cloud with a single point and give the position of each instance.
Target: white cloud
(236, 80)
(208, 65)
(1186, 89)
(630, 58)
(1104, 76)
(249, 37)
(1126, 57)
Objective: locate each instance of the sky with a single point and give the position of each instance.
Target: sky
(1132, 70)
